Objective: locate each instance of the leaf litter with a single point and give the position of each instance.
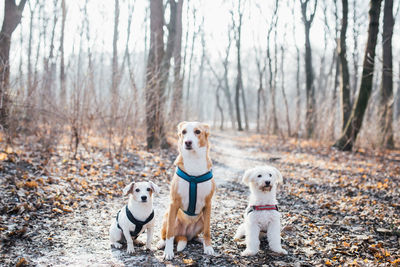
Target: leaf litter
(337, 208)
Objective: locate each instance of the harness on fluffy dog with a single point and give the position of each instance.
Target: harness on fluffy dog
(193, 181)
(139, 224)
(263, 207)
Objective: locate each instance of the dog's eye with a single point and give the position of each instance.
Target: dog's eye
(259, 175)
(184, 132)
(197, 132)
(137, 190)
(270, 175)
(148, 189)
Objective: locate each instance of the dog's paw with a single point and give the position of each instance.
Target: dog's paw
(130, 249)
(117, 245)
(237, 237)
(161, 244)
(168, 255)
(248, 252)
(208, 250)
(280, 251)
(181, 245)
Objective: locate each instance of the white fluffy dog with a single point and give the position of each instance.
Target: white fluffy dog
(262, 213)
(136, 217)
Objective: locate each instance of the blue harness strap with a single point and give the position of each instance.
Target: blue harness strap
(193, 181)
(138, 224)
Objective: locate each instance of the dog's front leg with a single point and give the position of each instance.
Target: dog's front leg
(252, 238)
(169, 243)
(274, 237)
(150, 231)
(208, 249)
(129, 242)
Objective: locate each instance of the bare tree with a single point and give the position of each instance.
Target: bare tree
(12, 17)
(283, 85)
(63, 91)
(226, 87)
(310, 89)
(194, 35)
(153, 73)
(115, 69)
(344, 69)
(239, 92)
(178, 80)
(271, 79)
(386, 89)
(260, 91)
(353, 125)
(298, 96)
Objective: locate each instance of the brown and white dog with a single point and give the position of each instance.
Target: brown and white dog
(190, 209)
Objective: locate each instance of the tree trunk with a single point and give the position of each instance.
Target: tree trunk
(154, 90)
(272, 86)
(310, 90)
(63, 91)
(283, 89)
(29, 52)
(226, 87)
(12, 17)
(219, 107)
(353, 126)
(178, 82)
(190, 65)
(114, 74)
(344, 69)
(355, 54)
(386, 89)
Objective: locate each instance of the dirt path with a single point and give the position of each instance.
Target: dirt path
(325, 204)
(82, 239)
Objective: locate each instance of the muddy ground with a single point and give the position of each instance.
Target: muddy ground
(337, 208)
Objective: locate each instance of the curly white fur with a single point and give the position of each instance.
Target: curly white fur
(262, 182)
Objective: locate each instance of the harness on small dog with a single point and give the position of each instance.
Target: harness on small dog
(263, 207)
(193, 181)
(138, 224)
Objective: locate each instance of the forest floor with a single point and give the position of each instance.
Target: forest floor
(337, 208)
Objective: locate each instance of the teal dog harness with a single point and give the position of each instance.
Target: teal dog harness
(193, 181)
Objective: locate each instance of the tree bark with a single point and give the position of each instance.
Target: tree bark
(178, 82)
(114, 74)
(226, 87)
(272, 87)
(344, 69)
(154, 90)
(12, 17)
(283, 89)
(386, 89)
(310, 90)
(63, 91)
(353, 126)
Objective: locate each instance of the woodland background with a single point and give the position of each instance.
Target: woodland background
(287, 68)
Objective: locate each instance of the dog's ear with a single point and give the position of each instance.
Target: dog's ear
(246, 176)
(128, 189)
(154, 187)
(279, 175)
(206, 128)
(179, 127)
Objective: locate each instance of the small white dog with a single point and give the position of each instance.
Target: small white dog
(262, 213)
(136, 217)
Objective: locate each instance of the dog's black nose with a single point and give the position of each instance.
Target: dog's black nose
(144, 198)
(267, 183)
(188, 143)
